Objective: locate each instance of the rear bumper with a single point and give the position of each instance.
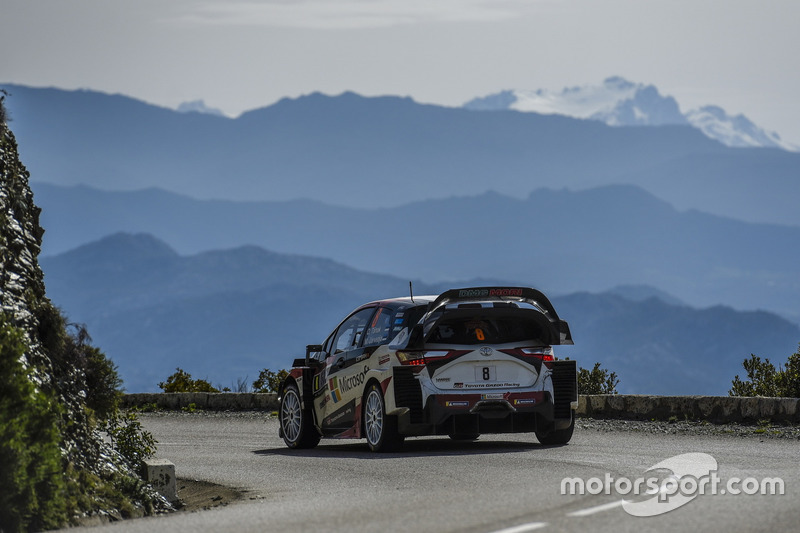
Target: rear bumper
(479, 413)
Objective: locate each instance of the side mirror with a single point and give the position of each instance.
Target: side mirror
(312, 348)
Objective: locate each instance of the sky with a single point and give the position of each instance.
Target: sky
(239, 55)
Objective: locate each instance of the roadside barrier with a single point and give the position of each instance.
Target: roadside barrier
(715, 409)
(211, 401)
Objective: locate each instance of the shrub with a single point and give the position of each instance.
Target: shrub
(181, 381)
(763, 379)
(129, 439)
(597, 381)
(269, 381)
(103, 384)
(32, 487)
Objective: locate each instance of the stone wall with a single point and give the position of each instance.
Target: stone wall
(223, 401)
(717, 409)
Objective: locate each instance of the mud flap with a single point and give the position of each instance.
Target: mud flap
(565, 390)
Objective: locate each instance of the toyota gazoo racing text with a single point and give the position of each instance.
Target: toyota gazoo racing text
(470, 361)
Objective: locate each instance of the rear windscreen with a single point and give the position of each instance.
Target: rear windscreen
(486, 330)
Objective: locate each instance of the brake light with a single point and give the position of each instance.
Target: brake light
(542, 353)
(422, 357)
(411, 358)
(539, 352)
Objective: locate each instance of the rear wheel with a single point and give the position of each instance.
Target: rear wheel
(550, 435)
(380, 429)
(297, 426)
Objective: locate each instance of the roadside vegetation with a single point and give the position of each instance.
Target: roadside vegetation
(597, 381)
(764, 379)
(182, 381)
(43, 488)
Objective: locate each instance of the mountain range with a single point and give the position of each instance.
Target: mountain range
(619, 102)
(573, 206)
(226, 314)
(353, 151)
(558, 240)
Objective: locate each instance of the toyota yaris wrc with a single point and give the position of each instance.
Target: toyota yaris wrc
(470, 361)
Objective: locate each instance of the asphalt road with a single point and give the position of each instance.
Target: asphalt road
(506, 483)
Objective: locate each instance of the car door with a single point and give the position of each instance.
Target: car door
(345, 373)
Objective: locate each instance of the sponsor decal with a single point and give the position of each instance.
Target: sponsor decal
(477, 293)
(499, 385)
(400, 314)
(492, 396)
(442, 380)
(336, 396)
(341, 384)
(458, 385)
(343, 415)
(362, 357)
(398, 321)
(456, 404)
(383, 360)
(525, 401)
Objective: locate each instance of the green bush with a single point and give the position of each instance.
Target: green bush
(269, 381)
(763, 379)
(103, 384)
(32, 486)
(597, 381)
(129, 439)
(181, 381)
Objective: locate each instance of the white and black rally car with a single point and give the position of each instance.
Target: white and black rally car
(470, 361)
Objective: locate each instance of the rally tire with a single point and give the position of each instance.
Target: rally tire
(551, 436)
(297, 426)
(379, 428)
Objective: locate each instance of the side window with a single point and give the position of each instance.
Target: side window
(349, 333)
(379, 327)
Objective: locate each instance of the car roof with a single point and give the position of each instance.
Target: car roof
(405, 301)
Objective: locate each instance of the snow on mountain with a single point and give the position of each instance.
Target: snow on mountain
(734, 131)
(619, 102)
(199, 106)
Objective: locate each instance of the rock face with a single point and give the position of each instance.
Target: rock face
(53, 368)
(21, 279)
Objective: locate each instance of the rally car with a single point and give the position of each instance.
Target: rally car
(470, 361)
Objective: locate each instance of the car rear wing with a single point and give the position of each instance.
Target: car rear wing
(540, 305)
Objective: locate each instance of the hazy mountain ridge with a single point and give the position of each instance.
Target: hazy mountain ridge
(619, 102)
(563, 241)
(388, 150)
(226, 314)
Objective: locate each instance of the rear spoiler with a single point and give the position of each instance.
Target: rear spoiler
(559, 327)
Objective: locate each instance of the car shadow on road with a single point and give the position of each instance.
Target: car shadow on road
(416, 447)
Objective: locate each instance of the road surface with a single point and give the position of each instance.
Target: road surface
(507, 483)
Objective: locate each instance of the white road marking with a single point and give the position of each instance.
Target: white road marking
(522, 528)
(596, 509)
